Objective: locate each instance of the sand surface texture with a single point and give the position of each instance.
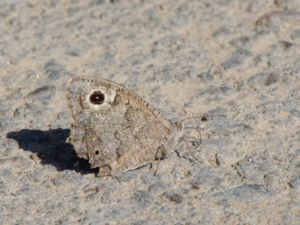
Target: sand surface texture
(235, 62)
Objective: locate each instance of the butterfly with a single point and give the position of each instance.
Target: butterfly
(115, 129)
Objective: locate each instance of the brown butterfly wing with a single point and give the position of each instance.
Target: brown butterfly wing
(124, 136)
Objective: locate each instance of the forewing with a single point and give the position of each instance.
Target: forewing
(124, 134)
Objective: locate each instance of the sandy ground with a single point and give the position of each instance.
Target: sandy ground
(235, 62)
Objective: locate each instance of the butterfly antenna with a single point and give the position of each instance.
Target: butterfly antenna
(203, 117)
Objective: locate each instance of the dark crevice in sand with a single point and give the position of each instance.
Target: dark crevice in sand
(51, 147)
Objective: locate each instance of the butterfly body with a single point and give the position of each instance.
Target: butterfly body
(115, 128)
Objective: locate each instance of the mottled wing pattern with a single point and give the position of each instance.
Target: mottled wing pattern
(125, 135)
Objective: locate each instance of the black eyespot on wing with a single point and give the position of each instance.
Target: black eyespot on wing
(97, 98)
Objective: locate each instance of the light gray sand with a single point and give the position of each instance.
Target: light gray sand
(237, 62)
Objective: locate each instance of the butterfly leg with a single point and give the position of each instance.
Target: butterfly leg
(161, 154)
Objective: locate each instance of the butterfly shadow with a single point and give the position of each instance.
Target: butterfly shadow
(51, 147)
